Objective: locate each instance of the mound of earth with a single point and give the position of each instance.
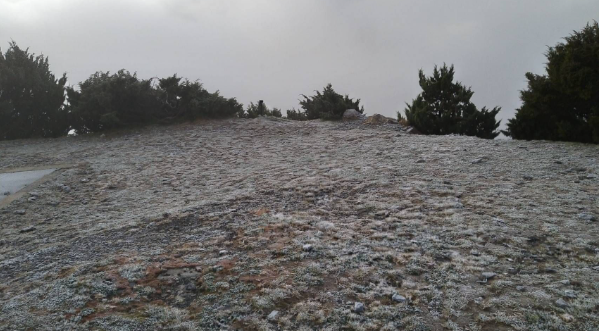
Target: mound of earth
(283, 225)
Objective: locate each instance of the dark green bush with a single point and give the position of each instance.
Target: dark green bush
(564, 103)
(444, 107)
(260, 109)
(31, 98)
(107, 101)
(296, 115)
(328, 105)
(186, 99)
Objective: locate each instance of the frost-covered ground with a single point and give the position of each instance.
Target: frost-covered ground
(274, 225)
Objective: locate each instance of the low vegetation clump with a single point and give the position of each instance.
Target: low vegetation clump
(563, 104)
(260, 109)
(444, 107)
(297, 115)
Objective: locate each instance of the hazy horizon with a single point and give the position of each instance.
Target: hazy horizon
(277, 50)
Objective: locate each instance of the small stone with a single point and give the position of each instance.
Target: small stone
(420, 161)
(565, 282)
(32, 199)
(596, 268)
(85, 180)
(359, 307)
(381, 214)
(53, 203)
(34, 194)
(561, 303)
(520, 288)
(488, 275)
(527, 177)
(587, 217)
(558, 162)
(223, 252)
(398, 298)
(566, 317)
(307, 248)
(273, 315)
(477, 161)
(20, 212)
(27, 229)
(570, 294)
(6, 193)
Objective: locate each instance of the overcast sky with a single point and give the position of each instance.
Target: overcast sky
(278, 49)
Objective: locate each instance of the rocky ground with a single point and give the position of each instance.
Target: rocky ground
(275, 225)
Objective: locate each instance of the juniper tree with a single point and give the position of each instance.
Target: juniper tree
(444, 107)
(327, 105)
(31, 97)
(563, 104)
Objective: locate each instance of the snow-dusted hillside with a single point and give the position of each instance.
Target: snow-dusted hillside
(276, 225)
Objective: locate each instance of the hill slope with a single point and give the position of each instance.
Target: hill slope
(217, 225)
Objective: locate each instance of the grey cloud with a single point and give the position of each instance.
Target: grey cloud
(276, 50)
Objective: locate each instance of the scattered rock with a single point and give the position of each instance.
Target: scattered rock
(570, 294)
(325, 225)
(587, 217)
(561, 303)
(378, 119)
(411, 130)
(489, 275)
(307, 248)
(20, 212)
(27, 229)
(34, 194)
(527, 177)
(398, 298)
(359, 307)
(53, 203)
(64, 188)
(273, 315)
(352, 115)
(520, 288)
(381, 214)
